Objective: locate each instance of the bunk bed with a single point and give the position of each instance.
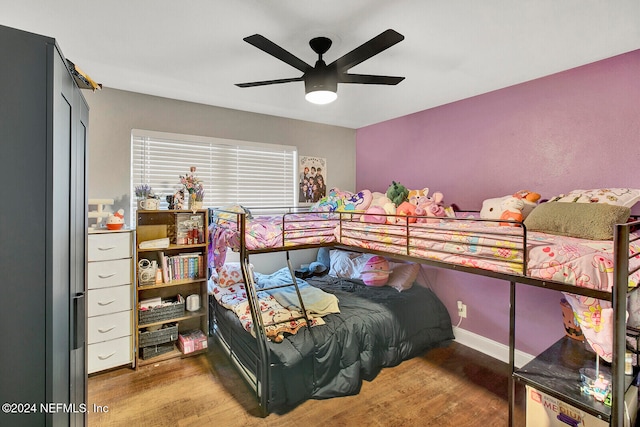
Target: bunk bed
(467, 243)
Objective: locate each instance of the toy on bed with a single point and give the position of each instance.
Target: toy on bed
(515, 207)
(397, 193)
(381, 209)
(430, 206)
(343, 201)
(406, 209)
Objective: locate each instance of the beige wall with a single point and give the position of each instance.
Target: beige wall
(114, 113)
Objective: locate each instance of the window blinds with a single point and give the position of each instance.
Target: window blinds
(232, 172)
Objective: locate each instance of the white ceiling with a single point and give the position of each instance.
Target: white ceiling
(193, 50)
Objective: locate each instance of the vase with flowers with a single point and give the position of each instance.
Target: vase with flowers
(194, 188)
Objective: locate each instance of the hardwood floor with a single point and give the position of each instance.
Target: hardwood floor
(451, 386)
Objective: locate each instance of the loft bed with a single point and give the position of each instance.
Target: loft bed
(585, 270)
(375, 327)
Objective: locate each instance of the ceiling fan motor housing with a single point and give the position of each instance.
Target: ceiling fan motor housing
(321, 77)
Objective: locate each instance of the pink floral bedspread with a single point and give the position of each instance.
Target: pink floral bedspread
(277, 318)
(579, 262)
(271, 231)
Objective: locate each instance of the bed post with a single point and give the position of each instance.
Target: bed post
(262, 376)
(619, 303)
(512, 346)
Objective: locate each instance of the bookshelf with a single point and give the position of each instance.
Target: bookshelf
(171, 265)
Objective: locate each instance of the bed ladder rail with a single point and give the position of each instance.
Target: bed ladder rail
(294, 284)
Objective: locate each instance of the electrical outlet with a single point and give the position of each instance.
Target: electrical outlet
(462, 310)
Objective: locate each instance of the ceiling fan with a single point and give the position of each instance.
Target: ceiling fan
(321, 80)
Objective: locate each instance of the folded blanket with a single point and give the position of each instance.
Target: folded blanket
(316, 301)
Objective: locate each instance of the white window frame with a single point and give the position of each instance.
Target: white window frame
(233, 172)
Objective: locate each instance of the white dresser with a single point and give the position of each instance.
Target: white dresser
(110, 299)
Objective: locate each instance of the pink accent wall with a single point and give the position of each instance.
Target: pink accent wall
(572, 130)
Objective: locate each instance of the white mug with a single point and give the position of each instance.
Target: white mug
(193, 302)
(149, 204)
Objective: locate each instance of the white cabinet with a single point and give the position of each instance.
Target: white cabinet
(110, 299)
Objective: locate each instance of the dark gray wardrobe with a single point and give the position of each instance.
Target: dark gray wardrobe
(43, 132)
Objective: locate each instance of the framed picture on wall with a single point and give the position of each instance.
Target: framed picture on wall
(312, 184)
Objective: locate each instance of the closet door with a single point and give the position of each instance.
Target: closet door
(62, 263)
(78, 287)
(69, 245)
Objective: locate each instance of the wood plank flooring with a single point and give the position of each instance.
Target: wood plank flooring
(450, 386)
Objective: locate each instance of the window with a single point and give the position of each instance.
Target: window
(233, 172)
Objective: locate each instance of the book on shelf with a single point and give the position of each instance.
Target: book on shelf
(165, 268)
(182, 266)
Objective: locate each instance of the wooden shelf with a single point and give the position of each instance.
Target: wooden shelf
(170, 355)
(188, 315)
(173, 247)
(160, 224)
(170, 284)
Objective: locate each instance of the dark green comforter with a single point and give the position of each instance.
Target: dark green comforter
(376, 328)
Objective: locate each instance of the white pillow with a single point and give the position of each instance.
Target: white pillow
(347, 265)
(612, 196)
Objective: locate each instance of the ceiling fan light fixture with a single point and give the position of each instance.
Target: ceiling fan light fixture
(320, 85)
(321, 97)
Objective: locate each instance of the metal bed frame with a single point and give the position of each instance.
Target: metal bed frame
(260, 380)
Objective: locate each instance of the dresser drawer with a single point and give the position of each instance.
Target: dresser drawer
(109, 246)
(109, 273)
(109, 326)
(109, 300)
(109, 354)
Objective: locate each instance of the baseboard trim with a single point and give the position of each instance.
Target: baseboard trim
(490, 348)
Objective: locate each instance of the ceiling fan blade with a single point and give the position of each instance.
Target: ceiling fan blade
(273, 49)
(369, 79)
(365, 51)
(269, 82)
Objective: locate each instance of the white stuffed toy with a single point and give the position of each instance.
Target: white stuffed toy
(512, 208)
(494, 208)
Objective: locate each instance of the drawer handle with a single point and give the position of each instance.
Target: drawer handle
(106, 276)
(106, 357)
(106, 248)
(105, 303)
(103, 330)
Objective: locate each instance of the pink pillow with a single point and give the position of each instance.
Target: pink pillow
(403, 275)
(375, 214)
(375, 271)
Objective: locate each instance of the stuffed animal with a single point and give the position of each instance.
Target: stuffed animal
(417, 196)
(380, 200)
(406, 209)
(430, 207)
(355, 202)
(512, 210)
(492, 208)
(527, 196)
(397, 193)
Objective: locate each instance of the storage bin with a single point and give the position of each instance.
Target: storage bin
(545, 410)
(156, 350)
(168, 333)
(158, 314)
